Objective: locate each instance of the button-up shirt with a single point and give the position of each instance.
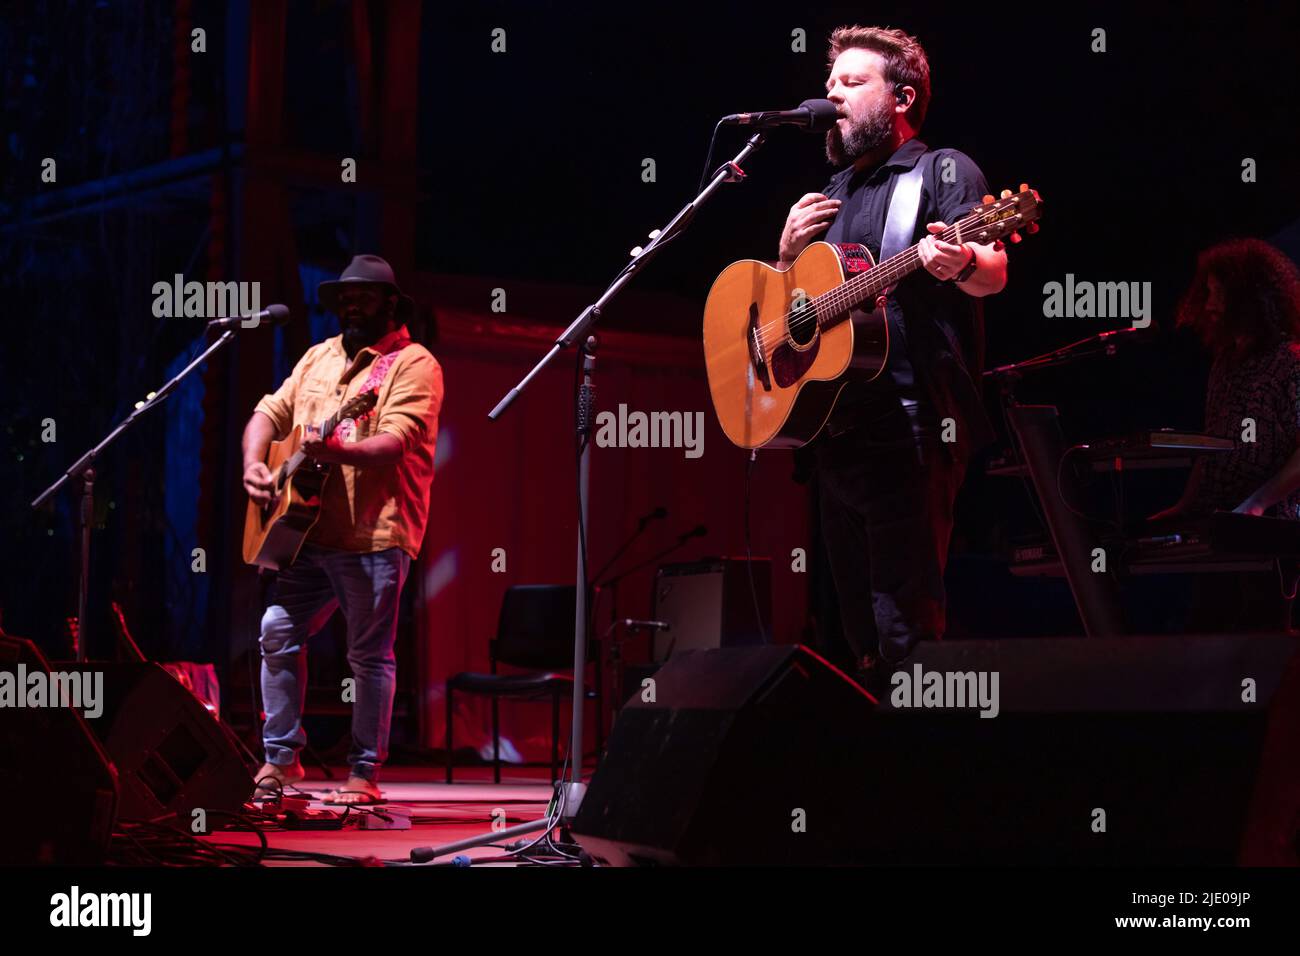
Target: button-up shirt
(936, 330)
(373, 508)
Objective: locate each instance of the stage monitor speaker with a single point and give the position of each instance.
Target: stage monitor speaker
(1157, 750)
(710, 604)
(58, 789)
(739, 759)
(172, 755)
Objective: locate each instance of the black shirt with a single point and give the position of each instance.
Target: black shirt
(936, 330)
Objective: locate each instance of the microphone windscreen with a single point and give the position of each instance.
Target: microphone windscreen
(823, 116)
(277, 314)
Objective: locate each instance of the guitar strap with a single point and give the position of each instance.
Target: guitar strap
(380, 366)
(900, 221)
(378, 372)
(900, 225)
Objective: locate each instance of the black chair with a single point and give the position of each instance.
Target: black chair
(535, 631)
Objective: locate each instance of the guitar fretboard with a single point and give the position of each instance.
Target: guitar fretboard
(327, 427)
(361, 403)
(831, 307)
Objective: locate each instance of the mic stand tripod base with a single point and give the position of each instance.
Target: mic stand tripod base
(572, 800)
(428, 854)
(574, 791)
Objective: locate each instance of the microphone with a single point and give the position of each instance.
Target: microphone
(815, 116)
(274, 314)
(632, 624)
(698, 531)
(1126, 331)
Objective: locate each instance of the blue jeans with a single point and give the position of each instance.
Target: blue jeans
(366, 587)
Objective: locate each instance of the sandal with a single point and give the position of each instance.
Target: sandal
(366, 798)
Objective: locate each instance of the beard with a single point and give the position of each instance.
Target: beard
(363, 330)
(866, 133)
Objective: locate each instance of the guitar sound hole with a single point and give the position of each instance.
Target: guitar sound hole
(802, 324)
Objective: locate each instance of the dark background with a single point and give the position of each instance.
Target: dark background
(528, 167)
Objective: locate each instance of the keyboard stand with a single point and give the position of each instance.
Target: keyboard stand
(1038, 432)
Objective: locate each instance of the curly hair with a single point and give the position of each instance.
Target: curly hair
(1261, 293)
(905, 61)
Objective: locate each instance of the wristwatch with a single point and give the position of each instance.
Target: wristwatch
(967, 270)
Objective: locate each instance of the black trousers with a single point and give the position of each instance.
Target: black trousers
(886, 490)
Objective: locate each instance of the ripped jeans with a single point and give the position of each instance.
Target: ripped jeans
(366, 587)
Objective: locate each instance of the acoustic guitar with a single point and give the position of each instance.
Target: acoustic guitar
(274, 533)
(778, 341)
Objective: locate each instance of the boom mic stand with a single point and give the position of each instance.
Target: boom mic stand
(84, 469)
(578, 332)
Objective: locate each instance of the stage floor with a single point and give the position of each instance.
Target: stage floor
(440, 813)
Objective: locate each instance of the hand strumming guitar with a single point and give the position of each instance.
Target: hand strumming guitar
(259, 483)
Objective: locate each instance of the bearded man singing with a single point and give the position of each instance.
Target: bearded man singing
(893, 454)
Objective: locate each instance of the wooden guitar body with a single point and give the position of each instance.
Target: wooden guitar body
(273, 535)
(775, 365)
(777, 341)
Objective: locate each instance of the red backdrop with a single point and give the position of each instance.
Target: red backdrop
(510, 484)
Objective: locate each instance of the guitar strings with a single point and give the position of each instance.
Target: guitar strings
(844, 296)
(847, 290)
(841, 297)
(327, 428)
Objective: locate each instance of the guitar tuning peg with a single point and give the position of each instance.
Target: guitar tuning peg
(987, 198)
(1014, 237)
(1024, 187)
(998, 245)
(1006, 194)
(1031, 228)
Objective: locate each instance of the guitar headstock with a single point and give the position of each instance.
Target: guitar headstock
(1004, 216)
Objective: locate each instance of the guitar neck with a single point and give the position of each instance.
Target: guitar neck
(327, 427)
(833, 306)
(294, 461)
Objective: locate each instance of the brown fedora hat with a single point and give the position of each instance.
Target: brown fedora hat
(366, 270)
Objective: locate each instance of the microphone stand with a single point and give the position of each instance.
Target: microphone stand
(578, 332)
(615, 647)
(1103, 343)
(84, 469)
(642, 524)
(681, 540)
(611, 665)
(612, 583)
(1038, 448)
